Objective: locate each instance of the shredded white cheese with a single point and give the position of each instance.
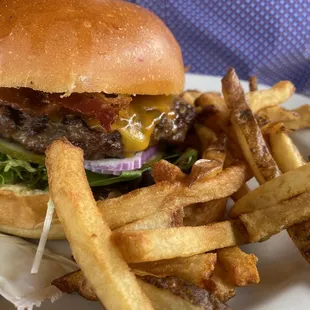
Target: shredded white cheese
(46, 228)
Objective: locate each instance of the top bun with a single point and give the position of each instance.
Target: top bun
(65, 46)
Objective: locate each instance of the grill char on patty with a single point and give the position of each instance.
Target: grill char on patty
(35, 133)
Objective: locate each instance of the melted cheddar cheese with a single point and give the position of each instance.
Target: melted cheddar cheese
(137, 124)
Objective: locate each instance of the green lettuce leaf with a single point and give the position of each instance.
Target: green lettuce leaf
(97, 179)
(187, 159)
(18, 171)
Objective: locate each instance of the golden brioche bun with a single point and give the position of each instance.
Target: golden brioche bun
(65, 46)
(22, 213)
(81, 46)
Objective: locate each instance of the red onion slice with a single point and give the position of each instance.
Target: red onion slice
(115, 166)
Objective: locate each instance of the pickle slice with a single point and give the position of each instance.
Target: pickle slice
(19, 152)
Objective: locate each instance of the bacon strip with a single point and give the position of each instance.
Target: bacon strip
(96, 106)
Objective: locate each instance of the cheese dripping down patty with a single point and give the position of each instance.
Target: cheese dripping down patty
(137, 123)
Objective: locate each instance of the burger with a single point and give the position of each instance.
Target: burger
(105, 75)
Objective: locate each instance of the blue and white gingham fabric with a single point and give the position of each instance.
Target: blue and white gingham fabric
(268, 38)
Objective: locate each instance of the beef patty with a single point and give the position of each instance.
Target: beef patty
(35, 133)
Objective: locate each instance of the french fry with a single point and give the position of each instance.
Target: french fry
(163, 219)
(215, 155)
(303, 120)
(240, 266)
(300, 235)
(194, 269)
(175, 294)
(171, 196)
(87, 232)
(257, 155)
(266, 129)
(284, 187)
(205, 135)
(190, 96)
(261, 224)
(214, 99)
(152, 245)
(242, 191)
(220, 284)
(215, 113)
(208, 212)
(204, 169)
(253, 83)
(205, 213)
(243, 268)
(75, 282)
(276, 114)
(292, 119)
(281, 143)
(212, 161)
(165, 171)
(234, 151)
(216, 150)
(210, 165)
(158, 244)
(247, 130)
(119, 211)
(165, 293)
(277, 94)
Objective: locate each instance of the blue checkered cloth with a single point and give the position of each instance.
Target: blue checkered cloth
(267, 38)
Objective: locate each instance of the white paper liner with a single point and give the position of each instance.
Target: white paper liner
(35, 299)
(23, 289)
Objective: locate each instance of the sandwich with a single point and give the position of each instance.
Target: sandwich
(105, 75)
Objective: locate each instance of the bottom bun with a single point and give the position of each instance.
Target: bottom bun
(22, 213)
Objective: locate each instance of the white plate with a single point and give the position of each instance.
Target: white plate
(285, 275)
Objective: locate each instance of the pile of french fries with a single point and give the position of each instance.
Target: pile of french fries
(172, 245)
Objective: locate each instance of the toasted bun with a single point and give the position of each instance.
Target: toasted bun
(65, 46)
(22, 213)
